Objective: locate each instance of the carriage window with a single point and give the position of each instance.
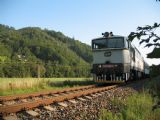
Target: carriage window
(108, 43)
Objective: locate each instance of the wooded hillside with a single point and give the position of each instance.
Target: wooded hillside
(30, 51)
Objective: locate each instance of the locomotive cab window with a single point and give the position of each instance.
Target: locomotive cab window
(116, 42)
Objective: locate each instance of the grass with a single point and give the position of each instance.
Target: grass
(11, 86)
(139, 106)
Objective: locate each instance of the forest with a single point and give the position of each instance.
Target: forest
(36, 52)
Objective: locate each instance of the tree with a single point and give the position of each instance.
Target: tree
(150, 38)
(55, 53)
(147, 35)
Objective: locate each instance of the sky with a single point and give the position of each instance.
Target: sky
(83, 19)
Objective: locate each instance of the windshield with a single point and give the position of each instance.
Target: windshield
(108, 43)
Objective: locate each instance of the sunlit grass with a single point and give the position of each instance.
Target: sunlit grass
(139, 106)
(11, 86)
(20, 83)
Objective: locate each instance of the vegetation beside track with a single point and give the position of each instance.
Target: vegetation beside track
(144, 105)
(12, 86)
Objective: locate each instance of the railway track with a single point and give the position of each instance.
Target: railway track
(50, 92)
(14, 104)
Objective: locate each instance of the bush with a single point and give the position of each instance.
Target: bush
(110, 116)
(139, 106)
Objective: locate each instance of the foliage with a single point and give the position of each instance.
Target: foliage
(109, 116)
(155, 53)
(139, 106)
(30, 51)
(154, 89)
(147, 35)
(155, 70)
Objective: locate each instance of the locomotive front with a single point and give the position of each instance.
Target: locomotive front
(111, 59)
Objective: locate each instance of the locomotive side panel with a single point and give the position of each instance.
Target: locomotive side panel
(137, 63)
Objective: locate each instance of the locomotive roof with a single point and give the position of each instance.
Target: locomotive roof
(114, 36)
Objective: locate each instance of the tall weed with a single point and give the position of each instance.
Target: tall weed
(140, 106)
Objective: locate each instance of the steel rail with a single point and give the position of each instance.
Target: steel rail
(22, 96)
(5, 110)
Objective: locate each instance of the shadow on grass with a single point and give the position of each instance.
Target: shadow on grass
(70, 83)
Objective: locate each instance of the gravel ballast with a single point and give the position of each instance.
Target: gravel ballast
(89, 109)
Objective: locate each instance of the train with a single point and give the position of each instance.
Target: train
(117, 60)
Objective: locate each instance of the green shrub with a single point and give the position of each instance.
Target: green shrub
(139, 106)
(136, 107)
(110, 116)
(155, 115)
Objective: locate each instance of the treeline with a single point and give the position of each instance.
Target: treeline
(26, 51)
(42, 70)
(155, 70)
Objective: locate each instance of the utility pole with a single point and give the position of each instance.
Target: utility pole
(38, 71)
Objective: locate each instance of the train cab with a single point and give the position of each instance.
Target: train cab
(111, 58)
(116, 60)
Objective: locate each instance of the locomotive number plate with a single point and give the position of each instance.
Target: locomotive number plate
(107, 53)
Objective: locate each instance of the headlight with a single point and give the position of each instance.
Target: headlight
(99, 66)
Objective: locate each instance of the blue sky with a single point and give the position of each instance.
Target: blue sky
(81, 19)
